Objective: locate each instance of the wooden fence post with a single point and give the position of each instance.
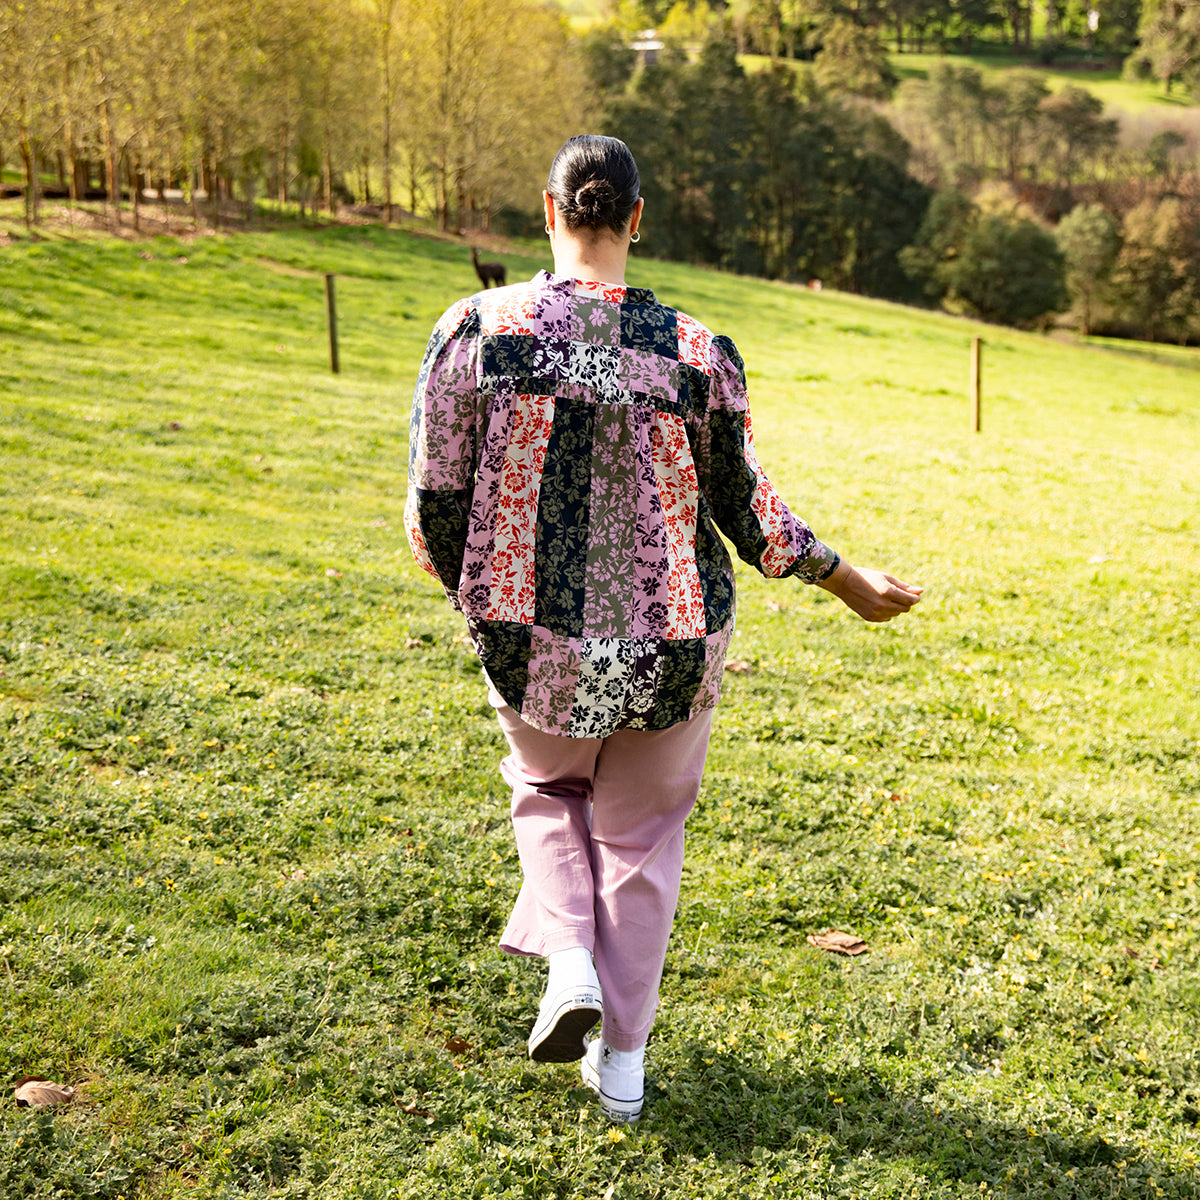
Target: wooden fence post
(976, 384)
(331, 318)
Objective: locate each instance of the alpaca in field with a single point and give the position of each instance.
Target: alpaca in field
(489, 273)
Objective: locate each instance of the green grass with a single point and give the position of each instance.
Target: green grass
(1133, 96)
(254, 853)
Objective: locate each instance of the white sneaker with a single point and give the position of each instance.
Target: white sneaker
(562, 1021)
(602, 1078)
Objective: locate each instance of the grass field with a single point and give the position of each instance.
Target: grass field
(1117, 93)
(1129, 95)
(254, 853)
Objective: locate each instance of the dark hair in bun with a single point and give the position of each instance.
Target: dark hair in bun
(594, 183)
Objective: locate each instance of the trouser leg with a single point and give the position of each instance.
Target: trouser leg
(551, 779)
(643, 789)
(599, 831)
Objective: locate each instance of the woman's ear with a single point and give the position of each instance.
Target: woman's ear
(636, 219)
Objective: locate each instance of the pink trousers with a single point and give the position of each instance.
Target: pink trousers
(599, 831)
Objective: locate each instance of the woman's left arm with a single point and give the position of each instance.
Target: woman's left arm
(751, 513)
(745, 505)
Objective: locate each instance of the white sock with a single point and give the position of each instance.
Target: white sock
(622, 1072)
(570, 968)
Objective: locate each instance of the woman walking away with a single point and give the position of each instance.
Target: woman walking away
(576, 447)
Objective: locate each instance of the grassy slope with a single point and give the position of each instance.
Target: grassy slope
(254, 846)
(1117, 92)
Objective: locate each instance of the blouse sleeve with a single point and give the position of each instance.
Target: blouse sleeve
(441, 448)
(746, 507)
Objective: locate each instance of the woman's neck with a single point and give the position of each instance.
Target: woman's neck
(600, 258)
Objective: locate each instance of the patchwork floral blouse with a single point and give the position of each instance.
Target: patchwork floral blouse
(575, 447)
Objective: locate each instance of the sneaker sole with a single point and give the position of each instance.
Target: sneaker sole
(562, 1041)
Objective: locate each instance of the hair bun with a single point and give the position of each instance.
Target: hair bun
(594, 198)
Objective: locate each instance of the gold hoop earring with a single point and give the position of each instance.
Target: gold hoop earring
(636, 236)
(549, 231)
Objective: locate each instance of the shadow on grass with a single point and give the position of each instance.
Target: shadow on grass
(717, 1105)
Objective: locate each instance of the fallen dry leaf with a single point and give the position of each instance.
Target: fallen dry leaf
(457, 1045)
(413, 1110)
(738, 666)
(41, 1093)
(839, 943)
(1152, 964)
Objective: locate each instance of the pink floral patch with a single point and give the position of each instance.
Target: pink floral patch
(675, 475)
(695, 343)
(512, 594)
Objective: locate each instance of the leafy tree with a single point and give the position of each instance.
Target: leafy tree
(881, 205)
(1003, 268)
(1169, 44)
(970, 19)
(853, 59)
(1163, 152)
(953, 110)
(929, 261)
(30, 54)
(1116, 26)
(1090, 239)
(608, 61)
(1008, 271)
(1073, 127)
(1019, 96)
(484, 127)
(766, 174)
(1157, 273)
(335, 81)
(387, 59)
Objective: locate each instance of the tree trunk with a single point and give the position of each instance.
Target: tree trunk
(73, 190)
(281, 167)
(214, 191)
(29, 163)
(443, 196)
(387, 161)
(112, 176)
(412, 182)
(77, 182)
(137, 195)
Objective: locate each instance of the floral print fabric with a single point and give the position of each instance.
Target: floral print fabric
(574, 449)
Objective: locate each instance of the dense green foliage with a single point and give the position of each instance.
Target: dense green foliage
(1060, 31)
(746, 172)
(254, 852)
(316, 102)
(1090, 242)
(996, 267)
(1169, 44)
